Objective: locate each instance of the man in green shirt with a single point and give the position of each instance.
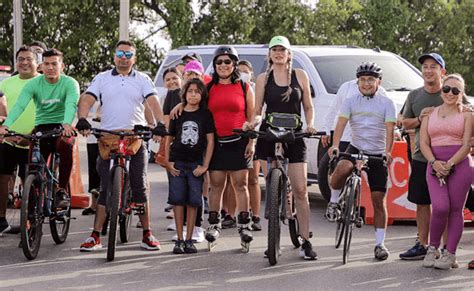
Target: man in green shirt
(55, 96)
(13, 151)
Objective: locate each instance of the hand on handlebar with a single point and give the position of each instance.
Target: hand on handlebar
(310, 129)
(68, 130)
(333, 152)
(83, 126)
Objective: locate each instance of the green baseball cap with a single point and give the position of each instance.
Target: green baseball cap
(280, 40)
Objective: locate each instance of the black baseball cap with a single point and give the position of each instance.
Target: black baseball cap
(192, 55)
(436, 57)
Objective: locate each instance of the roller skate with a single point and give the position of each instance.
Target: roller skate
(213, 230)
(244, 227)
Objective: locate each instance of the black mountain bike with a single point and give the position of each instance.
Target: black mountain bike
(119, 199)
(38, 197)
(349, 202)
(280, 206)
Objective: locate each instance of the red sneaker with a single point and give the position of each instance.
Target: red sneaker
(150, 242)
(92, 243)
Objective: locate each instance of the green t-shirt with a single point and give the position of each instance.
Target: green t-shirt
(55, 103)
(418, 100)
(12, 87)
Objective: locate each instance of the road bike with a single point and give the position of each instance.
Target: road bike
(37, 198)
(351, 212)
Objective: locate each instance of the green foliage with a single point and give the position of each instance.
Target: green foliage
(87, 30)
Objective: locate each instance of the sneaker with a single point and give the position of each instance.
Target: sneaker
(92, 243)
(4, 226)
(149, 242)
(171, 226)
(256, 226)
(178, 247)
(189, 247)
(446, 261)
(470, 266)
(265, 254)
(332, 211)
(198, 234)
(88, 211)
(170, 215)
(307, 252)
(381, 252)
(430, 257)
(417, 252)
(455, 264)
(168, 208)
(62, 199)
(229, 222)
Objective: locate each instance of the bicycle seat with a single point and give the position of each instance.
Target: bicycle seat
(283, 136)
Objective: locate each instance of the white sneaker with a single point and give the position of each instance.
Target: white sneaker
(430, 257)
(446, 261)
(171, 226)
(198, 234)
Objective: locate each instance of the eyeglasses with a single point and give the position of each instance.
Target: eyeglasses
(226, 61)
(128, 54)
(454, 90)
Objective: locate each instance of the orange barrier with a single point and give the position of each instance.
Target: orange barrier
(79, 198)
(398, 206)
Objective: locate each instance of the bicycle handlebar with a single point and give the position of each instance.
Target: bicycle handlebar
(37, 135)
(362, 157)
(253, 134)
(144, 133)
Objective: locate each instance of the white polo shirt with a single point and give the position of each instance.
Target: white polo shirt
(122, 98)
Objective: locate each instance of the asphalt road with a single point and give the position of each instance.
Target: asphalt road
(63, 267)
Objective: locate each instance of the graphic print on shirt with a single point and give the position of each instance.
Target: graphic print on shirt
(190, 133)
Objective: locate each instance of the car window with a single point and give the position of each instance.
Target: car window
(173, 61)
(335, 70)
(258, 62)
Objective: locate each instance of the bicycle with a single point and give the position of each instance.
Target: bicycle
(120, 208)
(278, 189)
(37, 198)
(349, 202)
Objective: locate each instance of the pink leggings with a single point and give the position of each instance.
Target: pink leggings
(448, 200)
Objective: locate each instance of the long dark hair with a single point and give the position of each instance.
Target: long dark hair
(202, 89)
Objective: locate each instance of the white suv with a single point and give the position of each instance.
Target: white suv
(327, 67)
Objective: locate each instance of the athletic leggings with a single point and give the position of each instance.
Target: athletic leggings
(448, 200)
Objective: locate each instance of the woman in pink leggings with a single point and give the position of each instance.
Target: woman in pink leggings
(445, 143)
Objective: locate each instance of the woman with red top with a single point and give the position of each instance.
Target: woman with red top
(232, 105)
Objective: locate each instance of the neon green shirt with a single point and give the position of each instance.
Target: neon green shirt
(12, 87)
(55, 103)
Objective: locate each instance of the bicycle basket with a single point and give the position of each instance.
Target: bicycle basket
(283, 120)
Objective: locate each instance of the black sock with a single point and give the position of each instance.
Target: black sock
(96, 233)
(145, 231)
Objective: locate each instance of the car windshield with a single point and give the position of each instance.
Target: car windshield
(258, 63)
(174, 60)
(397, 75)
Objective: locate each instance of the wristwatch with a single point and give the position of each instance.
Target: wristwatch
(432, 162)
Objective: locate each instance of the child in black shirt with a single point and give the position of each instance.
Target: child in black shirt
(192, 137)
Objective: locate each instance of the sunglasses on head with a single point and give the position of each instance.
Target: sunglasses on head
(454, 90)
(226, 61)
(127, 54)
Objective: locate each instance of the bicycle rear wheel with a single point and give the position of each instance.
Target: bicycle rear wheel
(273, 193)
(293, 226)
(114, 204)
(127, 213)
(31, 224)
(349, 222)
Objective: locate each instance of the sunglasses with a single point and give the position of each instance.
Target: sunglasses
(226, 61)
(455, 90)
(127, 54)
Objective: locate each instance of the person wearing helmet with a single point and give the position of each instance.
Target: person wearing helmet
(232, 104)
(287, 90)
(372, 118)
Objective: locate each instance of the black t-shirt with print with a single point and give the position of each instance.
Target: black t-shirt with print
(171, 100)
(189, 132)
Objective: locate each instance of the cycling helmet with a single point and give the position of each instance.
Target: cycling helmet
(369, 69)
(226, 50)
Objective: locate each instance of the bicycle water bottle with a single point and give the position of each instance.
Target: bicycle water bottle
(35, 156)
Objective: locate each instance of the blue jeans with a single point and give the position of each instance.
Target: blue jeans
(185, 189)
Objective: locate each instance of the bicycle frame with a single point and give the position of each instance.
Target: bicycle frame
(119, 158)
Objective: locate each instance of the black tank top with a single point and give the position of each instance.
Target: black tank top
(273, 96)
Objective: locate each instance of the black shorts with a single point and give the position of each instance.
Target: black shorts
(230, 156)
(295, 152)
(418, 192)
(10, 157)
(377, 171)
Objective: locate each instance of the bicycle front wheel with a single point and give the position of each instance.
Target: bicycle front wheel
(114, 204)
(59, 225)
(293, 226)
(127, 213)
(273, 193)
(349, 222)
(31, 224)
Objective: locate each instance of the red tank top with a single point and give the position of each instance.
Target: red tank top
(227, 104)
